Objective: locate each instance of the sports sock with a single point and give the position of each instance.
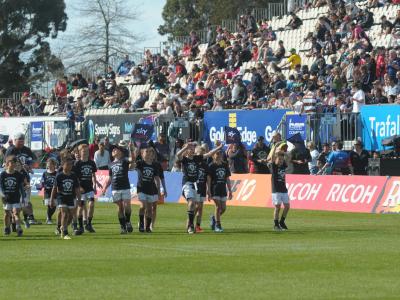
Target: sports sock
(128, 217)
(50, 212)
(191, 217)
(282, 219)
(141, 219)
(122, 222)
(85, 222)
(218, 224)
(148, 222)
(74, 226)
(90, 221)
(65, 232)
(80, 221)
(31, 217)
(276, 222)
(25, 217)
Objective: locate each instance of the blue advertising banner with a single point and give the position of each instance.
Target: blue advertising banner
(250, 123)
(36, 135)
(296, 124)
(378, 123)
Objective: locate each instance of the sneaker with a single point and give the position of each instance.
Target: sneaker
(7, 231)
(34, 222)
(78, 231)
(13, 227)
(66, 237)
(27, 224)
(212, 222)
(148, 230)
(190, 230)
(19, 232)
(90, 228)
(123, 231)
(49, 222)
(199, 229)
(129, 227)
(141, 227)
(57, 231)
(219, 229)
(277, 228)
(283, 225)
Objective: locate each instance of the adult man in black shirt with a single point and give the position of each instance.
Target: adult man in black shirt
(359, 159)
(259, 156)
(22, 153)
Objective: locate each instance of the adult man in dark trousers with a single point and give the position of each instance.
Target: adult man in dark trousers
(259, 156)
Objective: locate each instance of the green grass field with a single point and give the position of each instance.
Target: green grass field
(323, 256)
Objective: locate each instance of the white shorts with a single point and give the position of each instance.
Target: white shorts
(11, 206)
(189, 191)
(66, 206)
(46, 201)
(279, 198)
(199, 198)
(218, 198)
(124, 195)
(87, 196)
(147, 198)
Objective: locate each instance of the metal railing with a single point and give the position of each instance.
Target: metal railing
(262, 13)
(179, 128)
(327, 127)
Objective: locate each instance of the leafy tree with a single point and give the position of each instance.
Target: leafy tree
(182, 16)
(25, 56)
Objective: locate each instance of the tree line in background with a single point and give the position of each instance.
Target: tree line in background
(182, 16)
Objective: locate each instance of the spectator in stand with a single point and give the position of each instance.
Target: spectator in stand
(201, 95)
(60, 89)
(385, 25)
(194, 45)
(102, 157)
(237, 158)
(358, 98)
(393, 65)
(79, 82)
(293, 60)
(239, 92)
(110, 75)
(359, 159)
(280, 52)
(295, 22)
(259, 156)
(125, 66)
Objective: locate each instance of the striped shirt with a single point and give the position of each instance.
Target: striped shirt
(309, 103)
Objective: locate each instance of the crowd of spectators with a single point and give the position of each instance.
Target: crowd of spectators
(356, 74)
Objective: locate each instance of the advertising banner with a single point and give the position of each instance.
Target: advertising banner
(36, 129)
(116, 127)
(389, 203)
(250, 123)
(296, 124)
(378, 123)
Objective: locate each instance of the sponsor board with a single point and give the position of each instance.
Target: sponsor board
(116, 127)
(378, 123)
(250, 124)
(363, 194)
(296, 124)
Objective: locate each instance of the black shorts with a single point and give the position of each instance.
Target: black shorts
(66, 202)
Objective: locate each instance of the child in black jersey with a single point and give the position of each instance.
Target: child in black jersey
(12, 183)
(148, 187)
(121, 188)
(86, 169)
(279, 190)
(190, 163)
(47, 182)
(201, 188)
(218, 181)
(66, 189)
(160, 193)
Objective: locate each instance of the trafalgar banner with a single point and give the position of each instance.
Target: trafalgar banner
(379, 122)
(250, 124)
